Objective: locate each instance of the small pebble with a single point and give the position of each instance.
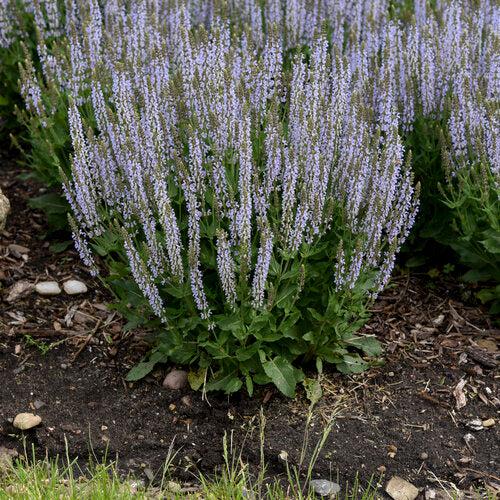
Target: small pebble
(47, 288)
(186, 400)
(37, 404)
(74, 287)
(173, 487)
(324, 488)
(424, 456)
(18, 250)
(488, 423)
(25, 421)
(176, 380)
(400, 489)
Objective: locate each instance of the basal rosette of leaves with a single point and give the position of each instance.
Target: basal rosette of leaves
(253, 211)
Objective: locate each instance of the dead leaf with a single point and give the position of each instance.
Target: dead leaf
(488, 345)
(19, 290)
(459, 394)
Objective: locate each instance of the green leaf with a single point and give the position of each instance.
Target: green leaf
(60, 246)
(196, 378)
(49, 203)
(366, 343)
(492, 244)
(144, 367)
(230, 383)
(245, 353)
(475, 275)
(249, 384)
(229, 323)
(285, 296)
(315, 314)
(283, 375)
(313, 390)
(351, 364)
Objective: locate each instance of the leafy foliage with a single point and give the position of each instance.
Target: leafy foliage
(242, 347)
(473, 197)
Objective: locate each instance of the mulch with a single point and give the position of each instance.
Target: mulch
(419, 415)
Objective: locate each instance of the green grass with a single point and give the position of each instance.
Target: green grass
(62, 478)
(57, 479)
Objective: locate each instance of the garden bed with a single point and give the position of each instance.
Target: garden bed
(65, 358)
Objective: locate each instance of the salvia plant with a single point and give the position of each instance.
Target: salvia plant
(238, 168)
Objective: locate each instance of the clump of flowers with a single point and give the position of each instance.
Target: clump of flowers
(256, 209)
(237, 171)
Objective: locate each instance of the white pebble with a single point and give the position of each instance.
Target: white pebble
(47, 288)
(73, 287)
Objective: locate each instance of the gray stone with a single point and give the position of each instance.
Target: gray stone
(38, 404)
(74, 287)
(47, 288)
(324, 488)
(176, 380)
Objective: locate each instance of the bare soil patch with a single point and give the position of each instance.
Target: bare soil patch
(65, 358)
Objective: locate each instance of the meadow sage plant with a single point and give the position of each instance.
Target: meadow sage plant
(256, 209)
(237, 172)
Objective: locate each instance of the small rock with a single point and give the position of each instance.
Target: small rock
(19, 290)
(173, 487)
(176, 380)
(382, 469)
(283, 455)
(17, 250)
(488, 423)
(324, 488)
(459, 394)
(186, 401)
(400, 489)
(74, 287)
(47, 288)
(432, 494)
(149, 474)
(37, 404)
(137, 484)
(476, 424)
(18, 349)
(468, 438)
(424, 456)
(6, 456)
(4, 210)
(25, 421)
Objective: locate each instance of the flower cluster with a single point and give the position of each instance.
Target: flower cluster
(273, 160)
(226, 144)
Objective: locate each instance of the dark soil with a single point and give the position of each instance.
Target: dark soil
(70, 354)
